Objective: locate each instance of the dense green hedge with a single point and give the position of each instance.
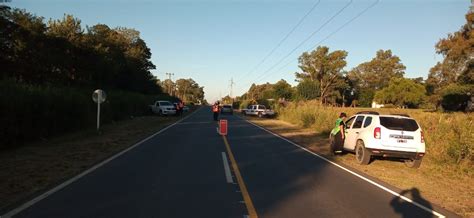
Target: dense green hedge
(32, 112)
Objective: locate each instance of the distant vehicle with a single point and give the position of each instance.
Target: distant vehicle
(163, 108)
(227, 109)
(371, 134)
(258, 110)
(185, 109)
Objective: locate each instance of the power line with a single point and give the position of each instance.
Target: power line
(284, 39)
(332, 33)
(307, 38)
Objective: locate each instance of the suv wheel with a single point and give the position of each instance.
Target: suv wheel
(413, 163)
(361, 153)
(260, 114)
(160, 113)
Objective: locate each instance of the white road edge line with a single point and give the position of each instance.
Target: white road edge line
(228, 176)
(75, 178)
(353, 173)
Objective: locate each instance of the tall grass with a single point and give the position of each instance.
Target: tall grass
(449, 136)
(30, 112)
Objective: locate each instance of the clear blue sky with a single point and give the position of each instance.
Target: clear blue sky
(213, 41)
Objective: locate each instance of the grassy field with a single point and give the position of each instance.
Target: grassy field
(446, 176)
(32, 169)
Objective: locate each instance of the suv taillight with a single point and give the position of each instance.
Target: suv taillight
(422, 137)
(377, 133)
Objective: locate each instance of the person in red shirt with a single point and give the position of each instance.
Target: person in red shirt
(180, 108)
(215, 111)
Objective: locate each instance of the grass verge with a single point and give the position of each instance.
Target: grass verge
(452, 191)
(34, 168)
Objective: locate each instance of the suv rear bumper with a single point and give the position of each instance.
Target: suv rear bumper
(399, 154)
(169, 112)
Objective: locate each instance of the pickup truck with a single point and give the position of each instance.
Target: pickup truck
(258, 110)
(163, 108)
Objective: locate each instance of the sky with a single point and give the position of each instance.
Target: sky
(214, 41)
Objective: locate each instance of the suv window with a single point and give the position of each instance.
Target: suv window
(349, 122)
(164, 103)
(358, 122)
(395, 123)
(261, 107)
(367, 121)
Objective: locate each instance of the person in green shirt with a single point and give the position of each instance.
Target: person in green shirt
(338, 134)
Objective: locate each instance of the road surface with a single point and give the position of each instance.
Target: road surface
(188, 170)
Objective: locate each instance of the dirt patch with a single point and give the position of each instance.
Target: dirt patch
(450, 191)
(32, 169)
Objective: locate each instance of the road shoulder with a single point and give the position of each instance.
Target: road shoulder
(31, 170)
(390, 173)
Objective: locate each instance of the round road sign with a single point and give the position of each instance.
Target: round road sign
(99, 96)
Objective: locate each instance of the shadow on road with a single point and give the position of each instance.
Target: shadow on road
(402, 207)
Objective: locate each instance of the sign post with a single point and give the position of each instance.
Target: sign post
(98, 96)
(223, 127)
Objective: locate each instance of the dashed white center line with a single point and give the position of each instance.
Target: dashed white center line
(228, 175)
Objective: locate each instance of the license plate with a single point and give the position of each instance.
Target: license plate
(402, 141)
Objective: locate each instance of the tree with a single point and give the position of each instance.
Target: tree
(187, 90)
(168, 86)
(22, 55)
(282, 89)
(376, 73)
(368, 77)
(226, 100)
(260, 92)
(61, 52)
(402, 92)
(456, 70)
(308, 90)
(68, 28)
(458, 63)
(324, 67)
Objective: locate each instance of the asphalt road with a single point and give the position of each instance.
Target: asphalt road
(181, 172)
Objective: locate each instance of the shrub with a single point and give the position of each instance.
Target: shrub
(455, 97)
(307, 119)
(33, 112)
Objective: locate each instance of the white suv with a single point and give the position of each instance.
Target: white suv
(370, 134)
(258, 110)
(163, 108)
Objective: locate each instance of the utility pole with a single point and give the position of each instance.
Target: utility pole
(170, 88)
(231, 88)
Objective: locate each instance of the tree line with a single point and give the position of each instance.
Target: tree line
(62, 52)
(187, 90)
(50, 68)
(450, 83)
